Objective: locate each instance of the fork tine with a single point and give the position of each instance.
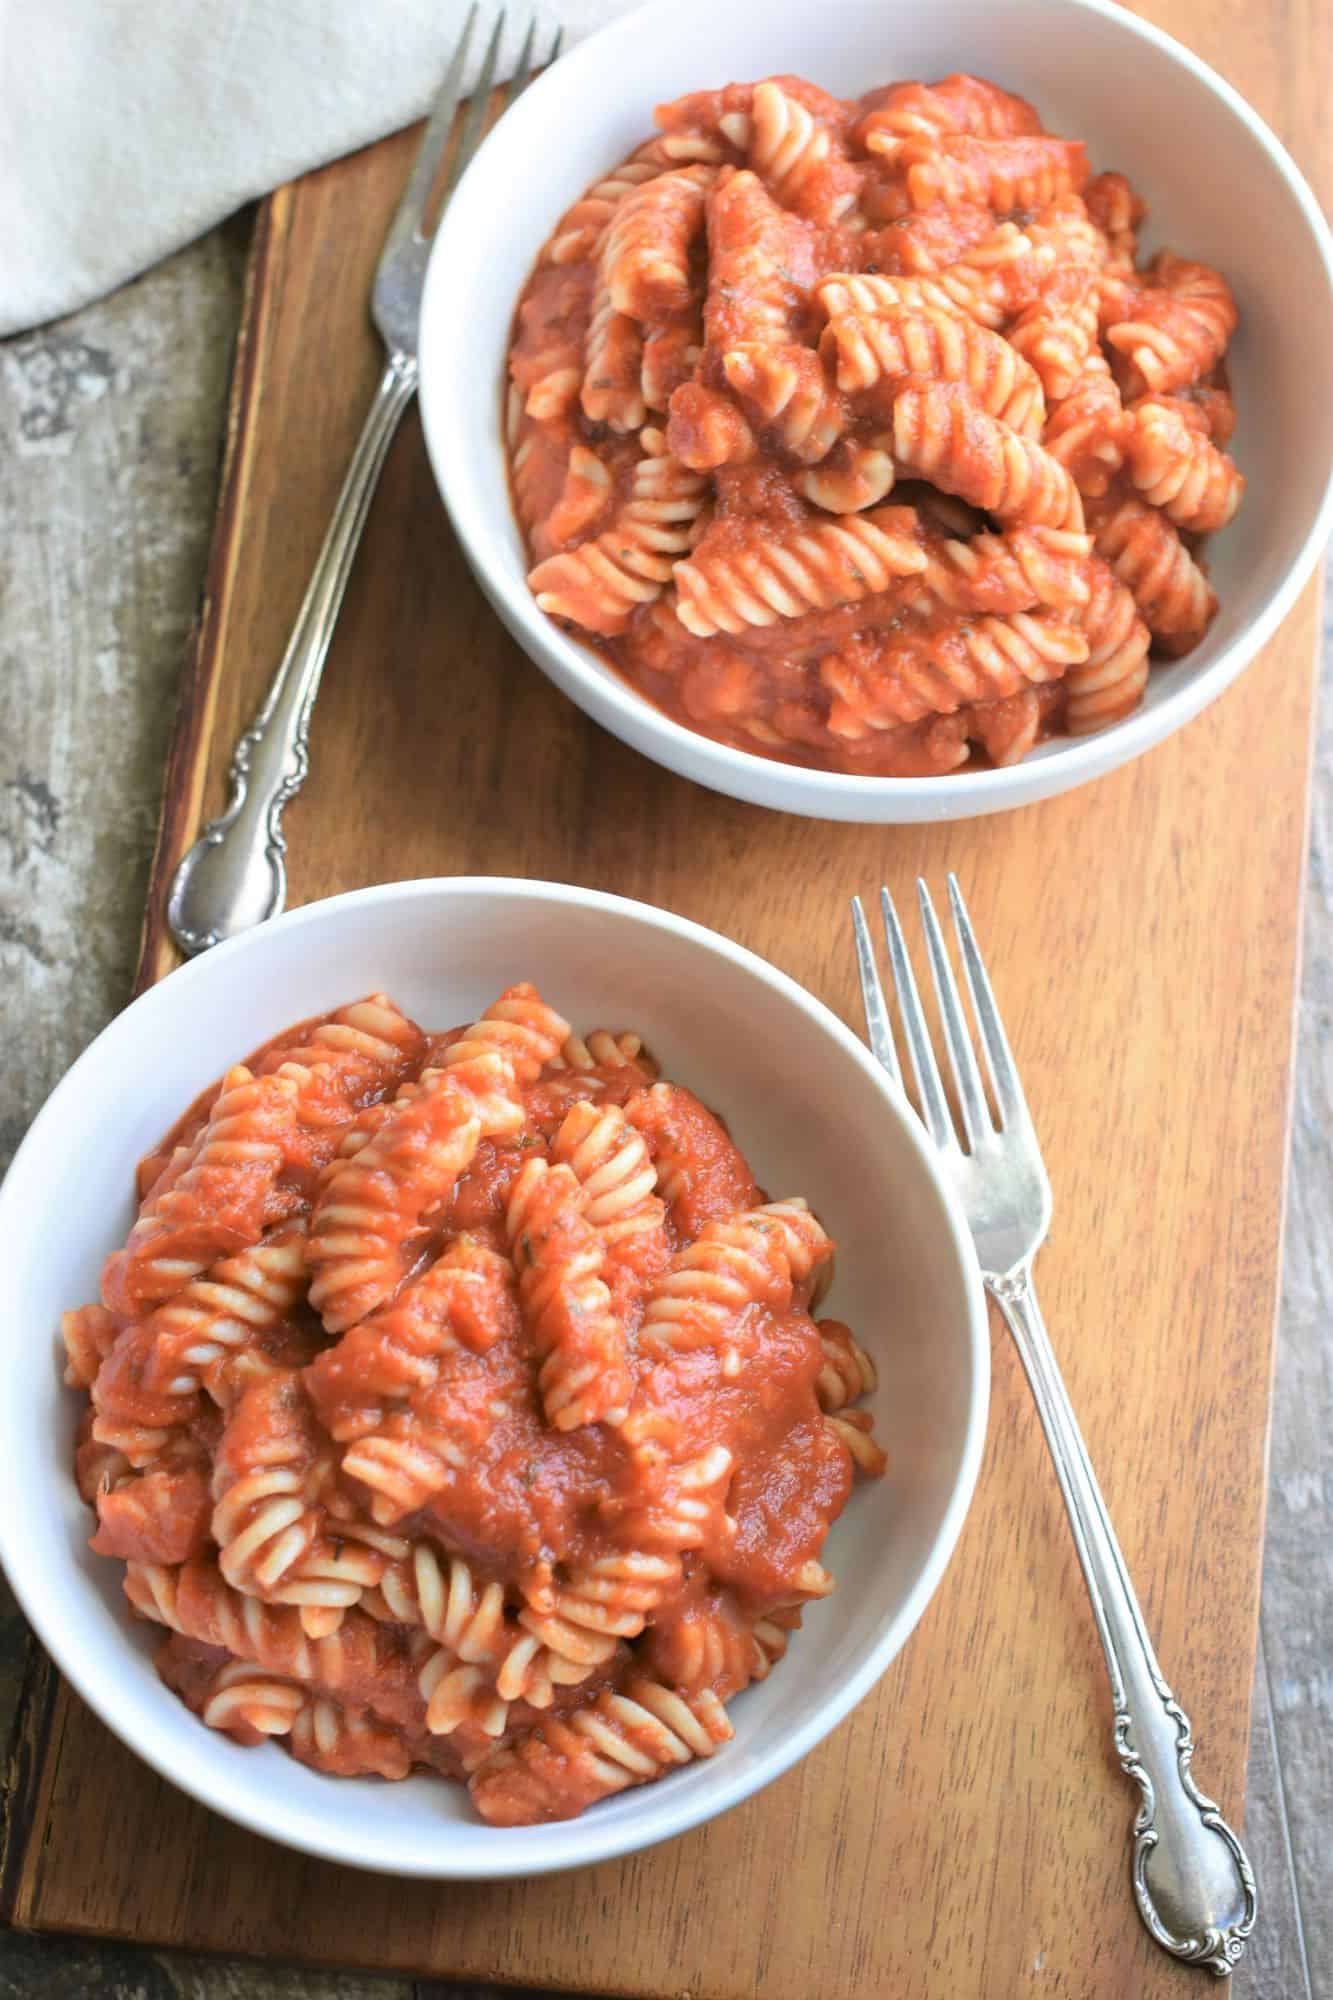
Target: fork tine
(962, 1056)
(521, 74)
(525, 68)
(470, 137)
(872, 997)
(416, 195)
(934, 1104)
(994, 1041)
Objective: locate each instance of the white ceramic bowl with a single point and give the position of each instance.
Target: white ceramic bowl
(1220, 188)
(814, 1114)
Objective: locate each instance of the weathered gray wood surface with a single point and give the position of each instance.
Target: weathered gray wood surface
(110, 428)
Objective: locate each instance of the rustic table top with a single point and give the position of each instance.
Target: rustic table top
(110, 432)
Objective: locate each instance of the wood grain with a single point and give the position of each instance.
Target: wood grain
(1143, 937)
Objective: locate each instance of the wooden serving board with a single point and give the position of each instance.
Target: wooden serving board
(966, 1831)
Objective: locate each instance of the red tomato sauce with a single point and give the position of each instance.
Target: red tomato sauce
(701, 451)
(386, 1537)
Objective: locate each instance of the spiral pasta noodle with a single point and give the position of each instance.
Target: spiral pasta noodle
(988, 283)
(273, 1531)
(787, 391)
(848, 1372)
(685, 1507)
(584, 1374)
(854, 476)
(234, 1172)
(718, 1648)
(795, 153)
(939, 432)
(88, 1334)
(852, 1428)
(619, 1740)
(1085, 430)
(945, 347)
(701, 1173)
(612, 387)
(376, 1199)
(815, 569)
(132, 1414)
(917, 111)
(1058, 333)
(1176, 327)
(599, 584)
(1016, 571)
(1110, 682)
(1179, 470)
(609, 1158)
(518, 1026)
(1002, 174)
(647, 248)
(251, 1704)
(462, 1300)
(968, 660)
(195, 1600)
(210, 1335)
(480, 1644)
(1148, 556)
(605, 1049)
(700, 1301)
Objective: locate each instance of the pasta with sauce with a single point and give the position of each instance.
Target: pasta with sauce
(755, 360)
(438, 1398)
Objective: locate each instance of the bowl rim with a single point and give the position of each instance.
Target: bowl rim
(505, 1852)
(743, 773)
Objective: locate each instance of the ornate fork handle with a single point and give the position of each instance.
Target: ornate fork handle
(235, 876)
(1192, 1880)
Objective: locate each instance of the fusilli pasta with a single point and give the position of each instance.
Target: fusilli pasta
(756, 1258)
(619, 1740)
(797, 154)
(701, 1174)
(646, 257)
(250, 1704)
(1110, 682)
(375, 1202)
(729, 584)
(940, 433)
(988, 283)
(943, 346)
(269, 1521)
(450, 1446)
(1177, 469)
(906, 111)
(235, 1174)
(1001, 174)
(559, 1257)
(1148, 556)
(1176, 328)
(946, 667)
(599, 584)
(758, 365)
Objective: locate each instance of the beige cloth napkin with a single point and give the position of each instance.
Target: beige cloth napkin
(128, 127)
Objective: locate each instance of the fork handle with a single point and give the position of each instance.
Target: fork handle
(1192, 1881)
(235, 875)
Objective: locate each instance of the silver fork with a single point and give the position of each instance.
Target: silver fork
(1192, 1881)
(235, 874)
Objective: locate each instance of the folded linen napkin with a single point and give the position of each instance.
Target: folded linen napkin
(127, 128)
